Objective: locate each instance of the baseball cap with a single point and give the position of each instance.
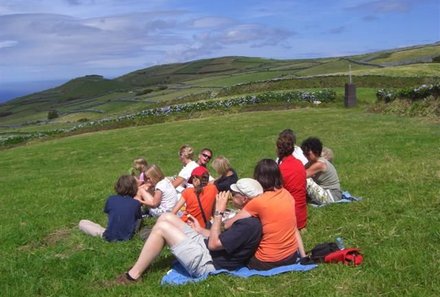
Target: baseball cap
(198, 171)
(248, 187)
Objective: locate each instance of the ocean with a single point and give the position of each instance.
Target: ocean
(12, 90)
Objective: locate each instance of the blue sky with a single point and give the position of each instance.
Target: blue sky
(44, 40)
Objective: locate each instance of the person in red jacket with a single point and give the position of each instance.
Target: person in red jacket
(294, 175)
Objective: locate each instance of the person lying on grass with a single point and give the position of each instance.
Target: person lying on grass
(124, 213)
(322, 179)
(199, 250)
(281, 243)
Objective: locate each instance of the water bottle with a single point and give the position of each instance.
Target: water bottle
(340, 243)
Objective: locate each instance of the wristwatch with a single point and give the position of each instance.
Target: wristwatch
(219, 213)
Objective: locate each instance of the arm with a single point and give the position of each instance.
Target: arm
(242, 214)
(301, 251)
(150, 200)
(194, 223)
(178, 206)
(315, 168)
(143, 196)
(178, 181)
(157, 198)
(214, 243)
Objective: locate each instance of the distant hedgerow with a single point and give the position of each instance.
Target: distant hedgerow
(324, 95)
(414, 94)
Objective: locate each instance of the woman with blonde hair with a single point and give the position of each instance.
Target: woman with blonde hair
(227, 175)
(164, 195)
(186, 154)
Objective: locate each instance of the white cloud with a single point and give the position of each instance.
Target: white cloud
(61, 38)
(8, 43)
(211, 22)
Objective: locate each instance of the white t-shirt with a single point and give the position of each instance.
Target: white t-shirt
(185, 173)
(169, 197)
(298, 154)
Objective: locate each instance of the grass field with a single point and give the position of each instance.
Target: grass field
(392, 162)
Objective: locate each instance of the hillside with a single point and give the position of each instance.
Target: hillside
(94, 97)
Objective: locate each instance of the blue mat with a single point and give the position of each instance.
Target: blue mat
(177, 275)
(346, 198)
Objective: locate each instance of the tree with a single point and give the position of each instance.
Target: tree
(52, 114)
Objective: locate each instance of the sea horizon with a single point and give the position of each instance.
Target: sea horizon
(12, 90)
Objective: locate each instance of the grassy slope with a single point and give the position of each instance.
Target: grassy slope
(48, 187)
(118, 96)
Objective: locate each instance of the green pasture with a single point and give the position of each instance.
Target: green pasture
(239, 78)
(408, 54)
(331, 67)
(412, 70)
(392, 162)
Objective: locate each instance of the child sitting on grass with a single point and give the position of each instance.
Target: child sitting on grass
(198, 200)
(157, 193)
(124, 213)
(140, 165)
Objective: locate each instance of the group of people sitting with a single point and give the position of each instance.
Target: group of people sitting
(192, 209)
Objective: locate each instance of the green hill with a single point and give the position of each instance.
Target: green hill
(93, 96)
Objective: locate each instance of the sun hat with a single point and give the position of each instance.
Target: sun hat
(198, 172)
(248, 187)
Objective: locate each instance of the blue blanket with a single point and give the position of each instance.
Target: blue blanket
(346, 197)
(178, 275)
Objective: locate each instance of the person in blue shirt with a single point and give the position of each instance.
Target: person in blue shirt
(124, 213)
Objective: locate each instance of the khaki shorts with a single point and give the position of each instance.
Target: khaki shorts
(193, 254)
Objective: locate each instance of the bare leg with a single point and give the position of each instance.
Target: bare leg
(167, 230)
(91, 228)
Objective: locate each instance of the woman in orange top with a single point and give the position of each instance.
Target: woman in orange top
(281, 243)
(201, 196)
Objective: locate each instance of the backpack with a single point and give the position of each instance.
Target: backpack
(351, 256)
(319, 252)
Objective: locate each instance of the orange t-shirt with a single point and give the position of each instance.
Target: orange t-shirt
(207, 199)
(276, 211)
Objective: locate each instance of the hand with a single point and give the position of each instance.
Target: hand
(222, 200)
(193, 222)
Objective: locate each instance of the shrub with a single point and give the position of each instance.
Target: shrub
(414, 94)
(385, 95)
(52, 114)
(144, 92)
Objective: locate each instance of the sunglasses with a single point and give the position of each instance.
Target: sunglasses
(207, 156)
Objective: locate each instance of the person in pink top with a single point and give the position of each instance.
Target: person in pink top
(294, 175)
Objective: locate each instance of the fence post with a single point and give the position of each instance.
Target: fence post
(350, 95)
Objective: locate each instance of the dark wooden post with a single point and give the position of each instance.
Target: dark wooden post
(350, 92)
(350, 95)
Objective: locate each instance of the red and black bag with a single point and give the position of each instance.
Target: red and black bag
(328, 252)
(319, 252)
(350, 256)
